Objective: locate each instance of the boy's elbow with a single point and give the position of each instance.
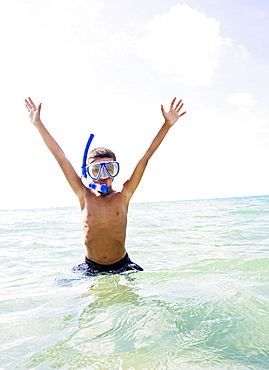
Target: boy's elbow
(145, 159)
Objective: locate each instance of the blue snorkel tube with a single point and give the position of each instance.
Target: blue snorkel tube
(84, 162)
(85, 178)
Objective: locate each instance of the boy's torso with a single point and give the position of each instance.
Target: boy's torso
(104, 221)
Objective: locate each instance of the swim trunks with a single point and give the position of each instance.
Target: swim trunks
(91, 267)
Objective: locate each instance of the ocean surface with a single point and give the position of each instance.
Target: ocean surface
(202, 301)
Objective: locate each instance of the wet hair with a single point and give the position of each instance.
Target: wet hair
(101, 153)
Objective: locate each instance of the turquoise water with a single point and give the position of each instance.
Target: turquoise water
(201, 303)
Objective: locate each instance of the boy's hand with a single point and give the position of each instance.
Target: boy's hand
(34, 112)
(174, 113)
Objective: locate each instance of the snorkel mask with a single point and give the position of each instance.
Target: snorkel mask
(96, 171)
(103, 170)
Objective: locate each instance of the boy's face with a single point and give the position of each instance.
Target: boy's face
(107, 181)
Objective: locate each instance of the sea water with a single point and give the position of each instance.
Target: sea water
(202, 301)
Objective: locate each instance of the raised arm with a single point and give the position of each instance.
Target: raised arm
(170, 119)
(68, 170)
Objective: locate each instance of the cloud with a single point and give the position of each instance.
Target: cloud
(241, 100)
(187, 44)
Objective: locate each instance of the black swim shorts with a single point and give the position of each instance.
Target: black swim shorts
(91, 267)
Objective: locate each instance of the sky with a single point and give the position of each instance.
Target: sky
(106, 67)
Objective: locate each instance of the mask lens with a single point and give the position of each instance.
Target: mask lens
(112, 168)
(94, 171)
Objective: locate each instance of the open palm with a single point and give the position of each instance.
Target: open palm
(174, 113)
(33, 110)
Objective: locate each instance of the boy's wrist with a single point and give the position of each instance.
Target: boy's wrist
(37, 122)
(167, 124)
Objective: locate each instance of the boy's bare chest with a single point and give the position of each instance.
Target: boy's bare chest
(105, 211)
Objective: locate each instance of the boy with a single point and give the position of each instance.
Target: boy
(104, 215)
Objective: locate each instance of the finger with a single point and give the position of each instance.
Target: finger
(32, 103)
(162, 108)
(178, 103)
(28, 105)
(179, 108)
(182, 114)
(172, 103)
(39, 108)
